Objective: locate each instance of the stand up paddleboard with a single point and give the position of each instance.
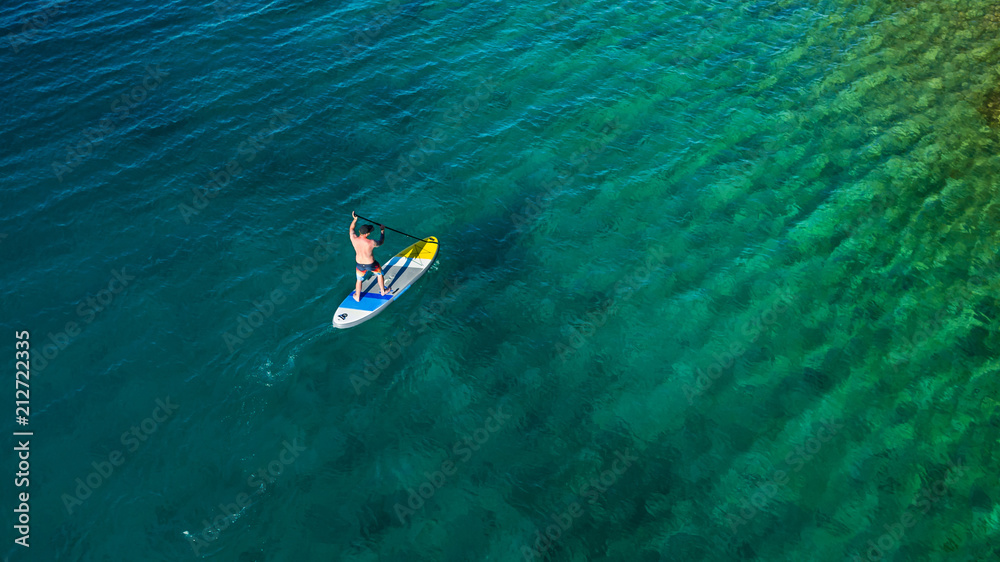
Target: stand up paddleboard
(401, 271)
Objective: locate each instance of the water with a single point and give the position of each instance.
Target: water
(716, 281)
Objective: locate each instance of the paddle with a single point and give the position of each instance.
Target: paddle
(394, 230)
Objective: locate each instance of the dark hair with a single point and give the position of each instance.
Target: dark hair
(366, 228)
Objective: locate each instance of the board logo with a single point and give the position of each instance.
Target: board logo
(342, 316)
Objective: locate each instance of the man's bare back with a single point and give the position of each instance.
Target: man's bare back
(363, 248)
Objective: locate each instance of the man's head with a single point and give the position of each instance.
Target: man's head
(365, 229)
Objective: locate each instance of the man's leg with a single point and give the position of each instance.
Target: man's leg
(357, 286)
(377, 270)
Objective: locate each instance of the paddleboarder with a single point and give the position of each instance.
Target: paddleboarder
(364, 259)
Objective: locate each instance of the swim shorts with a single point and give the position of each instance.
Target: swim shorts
(363, 268)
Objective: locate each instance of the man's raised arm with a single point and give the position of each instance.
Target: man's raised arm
(353, 222)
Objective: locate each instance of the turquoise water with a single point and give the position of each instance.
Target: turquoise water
(717, 281)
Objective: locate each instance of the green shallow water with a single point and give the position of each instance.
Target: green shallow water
(717, 282)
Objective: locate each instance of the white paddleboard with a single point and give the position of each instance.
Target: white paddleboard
(401, 271)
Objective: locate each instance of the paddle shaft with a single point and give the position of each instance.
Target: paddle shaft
(394, 230)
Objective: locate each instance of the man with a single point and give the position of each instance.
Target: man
(363, 248)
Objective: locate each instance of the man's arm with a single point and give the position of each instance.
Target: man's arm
(353, 222)
(381, 236)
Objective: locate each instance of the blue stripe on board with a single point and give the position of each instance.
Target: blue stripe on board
(369, 301)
